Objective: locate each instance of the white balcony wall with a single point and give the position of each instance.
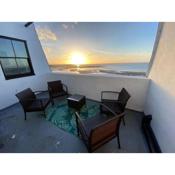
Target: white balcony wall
(8, 88)
(161, 95)
(92, 85)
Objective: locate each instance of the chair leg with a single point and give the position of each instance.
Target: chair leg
(44, 113)
(25, 117)
(123, 119)
(89, 150)
(78, 132)
(118, 139)
(52, 102)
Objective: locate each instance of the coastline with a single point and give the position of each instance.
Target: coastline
(129, 69)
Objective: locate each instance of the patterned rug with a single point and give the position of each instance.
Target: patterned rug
(64, 117)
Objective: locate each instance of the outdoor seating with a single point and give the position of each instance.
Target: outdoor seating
(30, 102)
(56, 89)
(100, 129)
(118, 105)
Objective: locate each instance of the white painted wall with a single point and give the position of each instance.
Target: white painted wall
(8, 88)
(161, 95)
(92, 85)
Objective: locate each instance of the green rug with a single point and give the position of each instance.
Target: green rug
(64, 117)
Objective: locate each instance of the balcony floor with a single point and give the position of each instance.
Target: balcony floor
(36, 135)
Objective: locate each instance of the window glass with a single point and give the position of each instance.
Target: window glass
(9, 66)
(23, 65)
(20, 50)
(14, 58)
(6, 49)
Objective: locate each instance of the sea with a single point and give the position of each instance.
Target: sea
(124, 68)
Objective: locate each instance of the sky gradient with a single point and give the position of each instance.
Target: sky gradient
(99, 42)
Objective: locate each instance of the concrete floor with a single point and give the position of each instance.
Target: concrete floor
(36, 135)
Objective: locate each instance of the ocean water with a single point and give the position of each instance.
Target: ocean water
(126, 68)
(136, 67)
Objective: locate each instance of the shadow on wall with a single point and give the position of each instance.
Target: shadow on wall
(161, 105)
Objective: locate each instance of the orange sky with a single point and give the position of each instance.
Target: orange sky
(97, 58)
(100, 43)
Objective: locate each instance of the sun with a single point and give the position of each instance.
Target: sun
(77, 58)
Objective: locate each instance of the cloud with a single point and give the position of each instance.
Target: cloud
(103, 52)
(69, 26)
(65, 26)
(45, 34)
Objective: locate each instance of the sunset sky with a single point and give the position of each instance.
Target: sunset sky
(97, 42)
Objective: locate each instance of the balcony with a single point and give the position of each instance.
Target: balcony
(151, 95)
(39, 135)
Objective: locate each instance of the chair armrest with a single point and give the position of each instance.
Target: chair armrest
(111, 92)
(65, 87)
(40, 91)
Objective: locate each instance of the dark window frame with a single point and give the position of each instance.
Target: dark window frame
(8, 77)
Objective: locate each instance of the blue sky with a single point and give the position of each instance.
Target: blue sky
(100, 42)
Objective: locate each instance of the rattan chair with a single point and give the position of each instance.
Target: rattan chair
(118, 105)
(100, 129)
(56, 89)
(30, 102)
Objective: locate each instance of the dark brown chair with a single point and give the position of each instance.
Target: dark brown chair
(30, 102)
(117, 105)
(98, 130)
(56, 89)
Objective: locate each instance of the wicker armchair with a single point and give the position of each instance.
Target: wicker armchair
(30, 102)
(118, 105)
(56, 89)
(98, 130)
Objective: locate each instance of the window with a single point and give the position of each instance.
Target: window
(123, 48)
(14, 58)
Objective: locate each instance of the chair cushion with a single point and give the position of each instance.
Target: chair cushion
(37, 106)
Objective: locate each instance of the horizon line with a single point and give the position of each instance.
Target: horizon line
(104, 63)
